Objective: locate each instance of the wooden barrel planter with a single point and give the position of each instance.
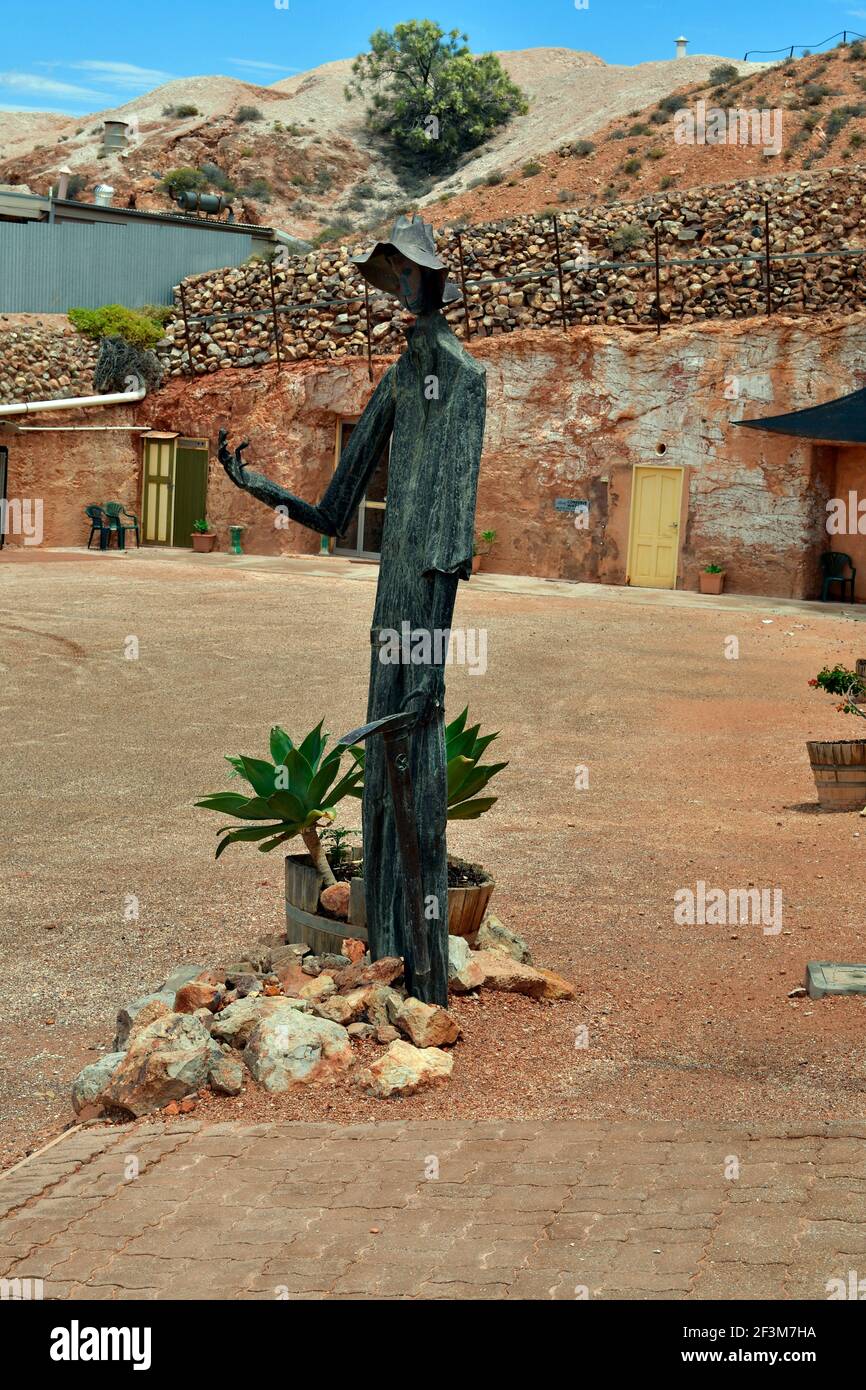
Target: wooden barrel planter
(304, 922)
(839, 769)
(466, 907)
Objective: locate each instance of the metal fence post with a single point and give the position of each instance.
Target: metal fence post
(186, 331)
(658, 285)
(274, 312)
(367, 326)
(467, 327)
(559, 272)
(767, 250)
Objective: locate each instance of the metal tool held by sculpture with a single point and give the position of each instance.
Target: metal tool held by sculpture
(394, 730)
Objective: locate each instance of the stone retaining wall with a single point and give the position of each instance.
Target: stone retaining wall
(320, 296)
(43, 358)
(606, 280)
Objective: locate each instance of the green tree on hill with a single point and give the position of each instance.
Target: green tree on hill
(428, 96)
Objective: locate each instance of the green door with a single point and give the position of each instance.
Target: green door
(190, 487)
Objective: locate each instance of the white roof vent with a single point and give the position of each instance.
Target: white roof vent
(681, 46)
(103, 194)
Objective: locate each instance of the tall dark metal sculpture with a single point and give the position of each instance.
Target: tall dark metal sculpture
(431, 403)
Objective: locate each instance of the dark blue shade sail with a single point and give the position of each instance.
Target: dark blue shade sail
(842, 421)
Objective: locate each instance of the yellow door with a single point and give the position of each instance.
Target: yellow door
(655, 521)
(157, 505)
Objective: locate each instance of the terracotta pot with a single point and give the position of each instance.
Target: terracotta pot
(839, 769)
(712, 583)
(203, 541)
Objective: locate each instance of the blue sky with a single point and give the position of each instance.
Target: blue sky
(91, 54)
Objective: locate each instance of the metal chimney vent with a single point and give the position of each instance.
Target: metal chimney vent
(102, 195)
(681, 46)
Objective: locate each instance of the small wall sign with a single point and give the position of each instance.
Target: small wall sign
(570, 504)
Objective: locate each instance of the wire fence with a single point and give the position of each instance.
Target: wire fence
(769, 281)
(805, 48)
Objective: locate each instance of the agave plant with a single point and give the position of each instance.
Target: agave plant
(294, 794)
(466, 775)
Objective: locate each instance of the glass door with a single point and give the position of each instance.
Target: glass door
(363, 539)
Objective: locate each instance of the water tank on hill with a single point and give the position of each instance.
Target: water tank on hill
(114, 135)
(192, 201)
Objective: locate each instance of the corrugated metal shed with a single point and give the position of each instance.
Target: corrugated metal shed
(48, 269)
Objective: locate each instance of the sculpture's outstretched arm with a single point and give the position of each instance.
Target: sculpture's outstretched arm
(257, 485)
(345, 490)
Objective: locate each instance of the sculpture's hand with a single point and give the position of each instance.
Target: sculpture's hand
(232, 460)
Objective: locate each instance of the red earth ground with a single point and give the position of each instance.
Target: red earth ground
(697, 771)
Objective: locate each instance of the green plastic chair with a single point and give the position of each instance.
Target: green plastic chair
(114, 511)
(833, 566)
(98, 522)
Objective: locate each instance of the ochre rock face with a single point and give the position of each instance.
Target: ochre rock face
(569, 415)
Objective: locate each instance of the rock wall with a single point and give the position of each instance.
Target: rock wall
(43, 358)
(320, 298)
(569, 416)
(607, 257)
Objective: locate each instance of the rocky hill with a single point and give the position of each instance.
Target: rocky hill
(821, 101)
(297, 153)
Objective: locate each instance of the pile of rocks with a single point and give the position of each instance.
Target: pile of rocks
(288, 1018)
(44, 360)
(608, 273)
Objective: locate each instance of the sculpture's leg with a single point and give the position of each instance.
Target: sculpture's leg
(431, 808)
(387, 916)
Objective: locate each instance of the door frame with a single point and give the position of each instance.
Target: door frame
(656, 467)
(199, 443)
(157, 437)
(359, 553)
(199, 446)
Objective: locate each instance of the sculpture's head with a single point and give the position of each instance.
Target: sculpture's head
(408, 267)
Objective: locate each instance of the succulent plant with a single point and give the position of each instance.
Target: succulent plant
(466, 775)
(293, 794)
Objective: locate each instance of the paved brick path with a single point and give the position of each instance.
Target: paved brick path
(438, 1210)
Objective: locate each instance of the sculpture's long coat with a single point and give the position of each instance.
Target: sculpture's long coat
(432, 405)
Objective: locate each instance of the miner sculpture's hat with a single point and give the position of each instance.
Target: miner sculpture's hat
(413, 237)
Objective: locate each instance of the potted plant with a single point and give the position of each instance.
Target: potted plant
(469, 885)
(481, 548)
(203, 538)
(712, 579)
(839, 765)
(294, 794)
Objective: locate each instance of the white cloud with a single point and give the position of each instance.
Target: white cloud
(123, 75)
(259, 66)
(35, 110)
(46, 86)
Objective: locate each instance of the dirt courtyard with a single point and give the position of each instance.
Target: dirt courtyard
(697, 771)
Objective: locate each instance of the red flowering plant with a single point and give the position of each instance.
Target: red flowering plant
(839, 680)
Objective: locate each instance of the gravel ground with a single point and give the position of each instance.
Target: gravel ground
(697, 771)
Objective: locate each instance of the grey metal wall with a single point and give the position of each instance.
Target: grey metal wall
(48, 269)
